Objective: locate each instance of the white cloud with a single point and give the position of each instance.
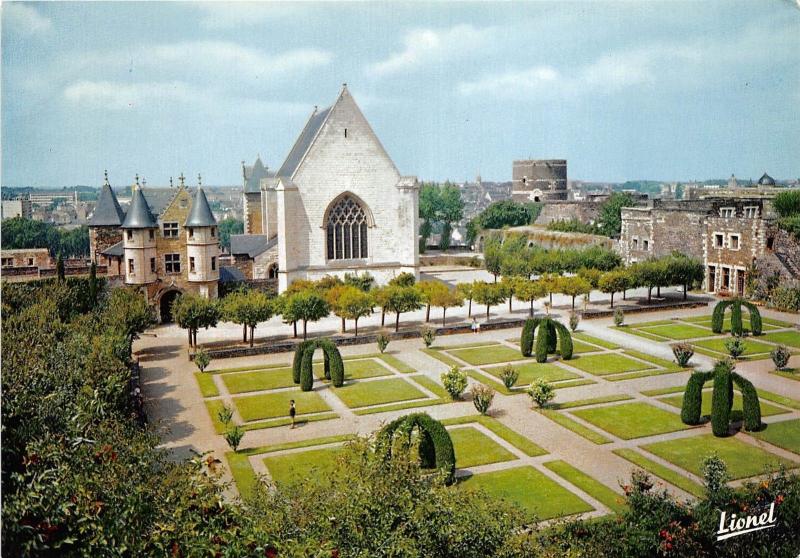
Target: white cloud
(431, 46)
(25, 19)
(233, 15)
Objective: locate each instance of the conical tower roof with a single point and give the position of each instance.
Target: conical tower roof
(139, 215)
(200, 215)
(107, 212)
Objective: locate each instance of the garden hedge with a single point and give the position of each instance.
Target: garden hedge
(435, 445)
(750, 404)
(303, 366)
(737, 328)
(721, 400)
(550, 332)
(693, 397)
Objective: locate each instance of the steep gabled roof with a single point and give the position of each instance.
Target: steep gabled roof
(303, 142)
(139, 215)
(251, 245)
(107, 212)
(254, 174)
(200, 215)
(117, 250)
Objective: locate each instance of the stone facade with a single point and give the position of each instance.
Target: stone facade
(27, 258)
(583, 211)
(100, 240)
(539, 180)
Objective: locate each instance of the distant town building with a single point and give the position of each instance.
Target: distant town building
(539, 180)
(46, 197)
(16, 208)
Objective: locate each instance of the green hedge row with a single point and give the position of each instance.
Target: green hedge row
(750, 404)
(691, 410)
(737, 327)
(435, 446)
(721, 399)
(303, 364)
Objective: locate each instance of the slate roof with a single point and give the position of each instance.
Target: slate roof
(107, 212)
(200, 214)
(139, 215)
(229, 274)
(303, 142)
(254, 174)
(159, 198)
(251, 244)
(116, 250)
(766, 180)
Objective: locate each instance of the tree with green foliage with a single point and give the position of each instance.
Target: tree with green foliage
(249, 309)
(455, 382)
(400, 300)
(490, 294)
(493, 257)
(610, 218)
(445, 299)
(430, 290)
(306, 306)
(404, 279)
(21, 233)
(364, 281)
(226, 228)
(613, 282)
(574, 286)
(466, 292)
(60, 274)
(530, 291)
(191, 312)
(592, 275)
(94, 286)
(354, 304)
(202, 359)
(332, 297)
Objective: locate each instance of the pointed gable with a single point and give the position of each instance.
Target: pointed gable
(200, 215)
(139, 215)
(303, 142)
(254, 175)
(107, 212)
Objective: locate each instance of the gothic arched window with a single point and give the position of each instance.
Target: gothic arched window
(346, 230)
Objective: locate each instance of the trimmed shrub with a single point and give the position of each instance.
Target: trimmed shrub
(619, 317)
(455, 382)
(509, 376)
(202, 359)
(750, 404)
(225, 415)
(735, 347)
(542, 343)
(333, 363)
(541, 392)
(299, 350)
(428, 335)
(721, 399)
(307, 369)
(718, 316)
(383, 341)
(736, 319)
(234, 437)
(693, 397)
(683, 353)
(565, 346)
(755, 318)
(552, 336)
(482, 397)
(528, 331)
(737, 327)
(780, 356)
(435, 446)
(574, 320)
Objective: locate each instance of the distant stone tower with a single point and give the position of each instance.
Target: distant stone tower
(139, 230)
(202, 245)
(539, 180)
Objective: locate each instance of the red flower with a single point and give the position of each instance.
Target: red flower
(779, 499)
(271, 552)
(668, 546)
(335, 553)
(663, 534)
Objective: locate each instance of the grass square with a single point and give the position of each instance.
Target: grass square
(487, 355)
(474, 448)
(533, 491)
(595, 341)
(291, 468)
(678, 331)
(718, 345)
(271, 405)
(789, 338)
(785, 435)
(258, 380)
(529, 371)
(743, 459)
(359, 369)
(608, 363)
(579, 347)
(632, 420)
(377, 392)
(766, 409)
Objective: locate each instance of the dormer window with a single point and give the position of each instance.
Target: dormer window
(171, 230)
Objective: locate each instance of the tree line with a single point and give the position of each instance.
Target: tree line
(21, 233)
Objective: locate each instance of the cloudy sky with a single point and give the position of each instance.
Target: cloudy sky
(623, 90)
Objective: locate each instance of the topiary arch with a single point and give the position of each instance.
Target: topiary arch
(303, 364)
(549, 331)
(735, 304)
(435, 445)
(721, 399)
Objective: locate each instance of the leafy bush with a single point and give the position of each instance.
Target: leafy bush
(234, 437)
(735, 346)
(383, 341)
(787, 203)
(428, 335)
(785, 298)
(683, 353)
(716, 477)
(225, 415)
(455, 382)
(619, 317)
(721, 399)
(202, 359)
(482, 397)
(404, 279)
(780, 356)
(509, 376)
(691, 409)
(574, 320)
(541, 392)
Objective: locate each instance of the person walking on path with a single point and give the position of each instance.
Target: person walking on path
(474, 325)
(292, 411)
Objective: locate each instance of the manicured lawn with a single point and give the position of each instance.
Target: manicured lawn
(475, 448)
(632, 420)
(529, 371)
(214, 406)
(662, 362)
(592, 487)
(487, 355)
(431, 385)
(678, 331)
(718, 345)
(293, 467)
(207, 386)
(604, 364)
(441, 356)
(592, 401)
(534, 492)
(789, 338)
(766, 323)
(579, 347)
(743, 459)
(363, 394)
(258, 380)
(785, 435)
(789, 373)
(397, 364)
(766, 409)
(595, 341)
(512, 437)
(369, 368)
(659, 470)
(575, 426)
(270, 405)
